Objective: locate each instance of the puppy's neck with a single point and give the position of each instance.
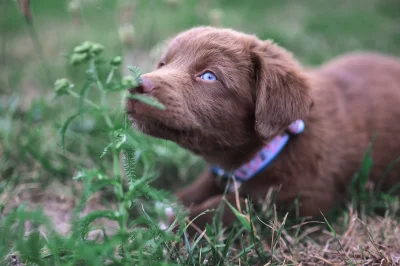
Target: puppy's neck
(233, 157)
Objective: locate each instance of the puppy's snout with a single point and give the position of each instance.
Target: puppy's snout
(145, 87)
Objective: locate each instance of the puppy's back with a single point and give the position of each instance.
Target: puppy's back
(368, 88)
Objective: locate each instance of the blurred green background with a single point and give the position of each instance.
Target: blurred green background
(32, 57)
(313, 30)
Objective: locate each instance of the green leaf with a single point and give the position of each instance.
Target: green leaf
(197, 241)
(358, 191)
(278, 235)
(84, 223)
(64, 128)
(242, 218)
(329, 225)
(147, 100)
(134, 70)
(365, 169)
(188, 247)
(105, 150)
(226, 248)
(83, 94)
(386, 172)
(137, 73)
(103, 183)
(129, 165)
(244, 251)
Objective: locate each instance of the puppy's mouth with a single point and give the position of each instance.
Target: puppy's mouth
(162, 127)
(162, 124)
(156, 127)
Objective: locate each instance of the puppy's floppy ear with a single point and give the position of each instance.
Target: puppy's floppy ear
(282, 91)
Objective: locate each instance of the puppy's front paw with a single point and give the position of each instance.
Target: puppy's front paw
(167, 213)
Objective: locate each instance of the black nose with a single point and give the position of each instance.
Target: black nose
(145, 87)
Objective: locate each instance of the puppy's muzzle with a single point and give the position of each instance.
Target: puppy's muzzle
(146, 86)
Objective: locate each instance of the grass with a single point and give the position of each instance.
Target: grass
(78, 185)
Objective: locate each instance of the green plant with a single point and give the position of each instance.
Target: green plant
(137, 239)
(368, 199)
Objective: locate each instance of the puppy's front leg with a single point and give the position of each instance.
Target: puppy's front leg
(203, 188)
(200, 216)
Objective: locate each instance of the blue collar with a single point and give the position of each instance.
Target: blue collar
(262, 159)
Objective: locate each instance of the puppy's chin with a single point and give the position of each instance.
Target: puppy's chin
(156, 127)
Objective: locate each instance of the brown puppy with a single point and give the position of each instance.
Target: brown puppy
(227, 94)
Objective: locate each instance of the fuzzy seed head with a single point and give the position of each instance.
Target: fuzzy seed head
(129, 82)
(62, 86)
(97, 48)
(83, 48)
(116, 61)
(77, 59)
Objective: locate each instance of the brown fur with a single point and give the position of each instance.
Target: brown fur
(260, 90)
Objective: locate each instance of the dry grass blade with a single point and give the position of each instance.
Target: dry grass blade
(371, 239)
(336, 237)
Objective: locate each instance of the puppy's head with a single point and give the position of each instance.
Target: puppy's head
(222, 90)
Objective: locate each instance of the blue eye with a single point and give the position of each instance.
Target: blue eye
(209, 76)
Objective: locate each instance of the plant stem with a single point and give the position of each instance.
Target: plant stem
(116, 164)
(92, 104)
(122, 208)
(103, 93)
(38, 47)
(104, 104)
(4, 33)
(117, 170)
(111, 75)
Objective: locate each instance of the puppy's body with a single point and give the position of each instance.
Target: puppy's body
(260, 91)
(355, 97)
